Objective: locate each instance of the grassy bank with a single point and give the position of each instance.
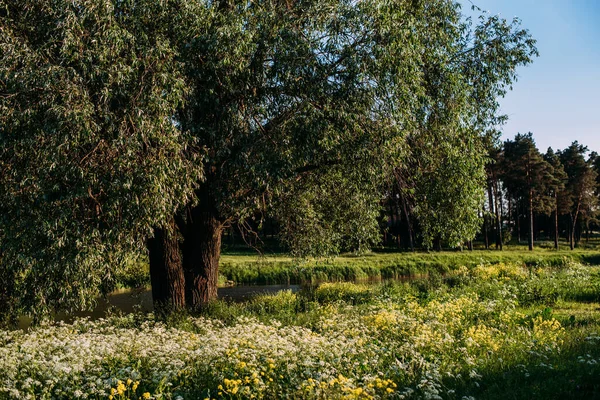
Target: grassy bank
(276, 269)
(489, 331)
(250, 268)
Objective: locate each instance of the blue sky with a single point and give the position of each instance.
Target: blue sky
(558, 96)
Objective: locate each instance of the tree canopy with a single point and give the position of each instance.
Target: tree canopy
(169, 120)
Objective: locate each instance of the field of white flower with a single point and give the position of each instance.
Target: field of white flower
(442, 346)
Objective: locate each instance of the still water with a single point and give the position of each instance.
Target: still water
(140, 300)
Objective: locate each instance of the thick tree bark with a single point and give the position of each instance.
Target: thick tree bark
(166, 271)
(201, 251)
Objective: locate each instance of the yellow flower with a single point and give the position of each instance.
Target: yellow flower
(146, 395)
(121, 388)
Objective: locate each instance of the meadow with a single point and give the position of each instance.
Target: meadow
(484, 331)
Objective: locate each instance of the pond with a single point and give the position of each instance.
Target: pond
(140, 300)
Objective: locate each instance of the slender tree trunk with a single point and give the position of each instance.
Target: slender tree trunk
(166, 270)
(572, 237)
(530, 220)
(408, 221)
(202, 250)
(510, 216)
(572, 232)
(437, 244)
(492, 204)
(485, 229)
(587, 231)
(556, 221)
(498, 207)
(518, 216)
(398, 225)
(574, 224)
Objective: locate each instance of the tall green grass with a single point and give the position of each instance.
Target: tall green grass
(255, 270)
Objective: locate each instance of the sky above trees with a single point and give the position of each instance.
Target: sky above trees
(556, 97)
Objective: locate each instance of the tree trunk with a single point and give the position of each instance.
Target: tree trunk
(498, 207)
(201, 251)
(437, 243)
(409, 222)
(485, 229)
(492, 204)
(518, 216)
(587, 231)
(574, 224)
(530, 220)
(511, 216)
(556, 221)
(166, 270)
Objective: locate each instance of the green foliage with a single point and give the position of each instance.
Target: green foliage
(580, 187)
(89, 155)
(528, 176)
(113, 113)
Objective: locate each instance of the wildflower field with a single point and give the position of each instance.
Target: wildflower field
(487, 331)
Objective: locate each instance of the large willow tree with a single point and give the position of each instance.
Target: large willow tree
(158, 123)
(90, 159)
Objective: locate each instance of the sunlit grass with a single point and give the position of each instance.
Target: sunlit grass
(490, 331)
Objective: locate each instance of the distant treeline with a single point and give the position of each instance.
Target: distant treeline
(530, 196)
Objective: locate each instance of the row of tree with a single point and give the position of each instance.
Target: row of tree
(529, 194)
(562, 186)
(151, 126)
